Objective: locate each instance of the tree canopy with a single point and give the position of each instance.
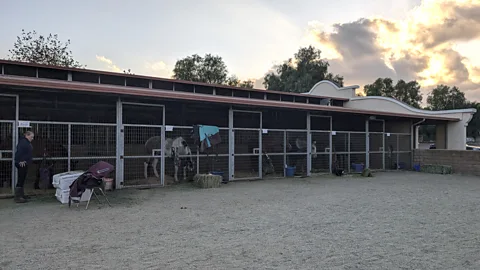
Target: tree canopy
(407, 92)
(208, 69)
(444, 97)
(301, 73)
(40, 49)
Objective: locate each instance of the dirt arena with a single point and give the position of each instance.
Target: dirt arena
(395, 220)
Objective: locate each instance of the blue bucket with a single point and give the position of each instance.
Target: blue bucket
(416, 167)
(357, 167)
(289, 171)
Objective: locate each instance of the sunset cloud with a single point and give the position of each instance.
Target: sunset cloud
(421, 47)
(109, 64)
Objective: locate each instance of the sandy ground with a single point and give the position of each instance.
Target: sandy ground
(392, 221)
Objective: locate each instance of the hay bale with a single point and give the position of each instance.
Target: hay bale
(367, 173)
(436, 169)
(207, 180)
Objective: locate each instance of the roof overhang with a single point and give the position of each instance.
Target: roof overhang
(8, 80)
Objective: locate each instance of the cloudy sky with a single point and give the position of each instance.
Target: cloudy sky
(430, 41)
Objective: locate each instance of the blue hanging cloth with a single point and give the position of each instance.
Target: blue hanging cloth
(206, 136)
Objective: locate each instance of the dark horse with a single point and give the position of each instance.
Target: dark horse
(44, 149)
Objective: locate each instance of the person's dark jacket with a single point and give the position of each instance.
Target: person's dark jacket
(24, 151)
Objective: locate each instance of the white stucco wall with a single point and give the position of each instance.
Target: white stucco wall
(456, 120)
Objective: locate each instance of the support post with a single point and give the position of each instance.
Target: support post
(330, 142)
(284, 153)
(348, 148)
(398, 151)
(367, 145)
(231, 146)
(162, 160)
(15, 142)
(383, 145)
(119, 172)
(69, 150)
(260, 144)
(309, 145)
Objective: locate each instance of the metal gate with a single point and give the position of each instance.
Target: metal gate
(7, 165)
(376, 144)
(321, 140)
(246, 145)
(142, 165)
(8, 141)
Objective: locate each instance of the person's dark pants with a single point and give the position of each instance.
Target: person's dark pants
(22, 174)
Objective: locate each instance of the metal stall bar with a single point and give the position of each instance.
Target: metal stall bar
(309, 146)
(330, 143)
(120, 151)
(69, 147)
(367, 145)
(284, 153)
(260, 146)
(383, 143)
(231, 146)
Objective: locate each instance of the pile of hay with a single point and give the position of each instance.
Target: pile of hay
(436, 169)
(207, 180)
(367, 173)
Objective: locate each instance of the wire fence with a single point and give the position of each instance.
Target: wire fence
(257, 153)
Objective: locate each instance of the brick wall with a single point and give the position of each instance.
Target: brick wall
(462, 161)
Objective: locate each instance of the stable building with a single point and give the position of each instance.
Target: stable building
(82, 116)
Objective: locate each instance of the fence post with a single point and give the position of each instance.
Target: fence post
(349, 163)
(309, 145)
(231, 146)
(119, 146)
(69, 150)
(162, 160)
(284, 153)
(367, 145)
(260, 150)
(330, 142)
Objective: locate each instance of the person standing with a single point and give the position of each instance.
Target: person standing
(23, 157)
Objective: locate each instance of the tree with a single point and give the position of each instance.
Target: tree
(407, 92)
(444, 97)
(208, 69)
(301, 73)
(39, 49)
(473, 128)
(234, 81)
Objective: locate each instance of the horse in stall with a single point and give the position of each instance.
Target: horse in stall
(300, 146)
(271, 145)
(174, 148)
(46, 149)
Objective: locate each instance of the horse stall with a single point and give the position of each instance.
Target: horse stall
(349, 146)
(165, 128)
(7, 131)
(321, 130)
(284, 143)
(397, 144)
(246, 129)
(376, 130)
(71, 133)
(181, 117)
